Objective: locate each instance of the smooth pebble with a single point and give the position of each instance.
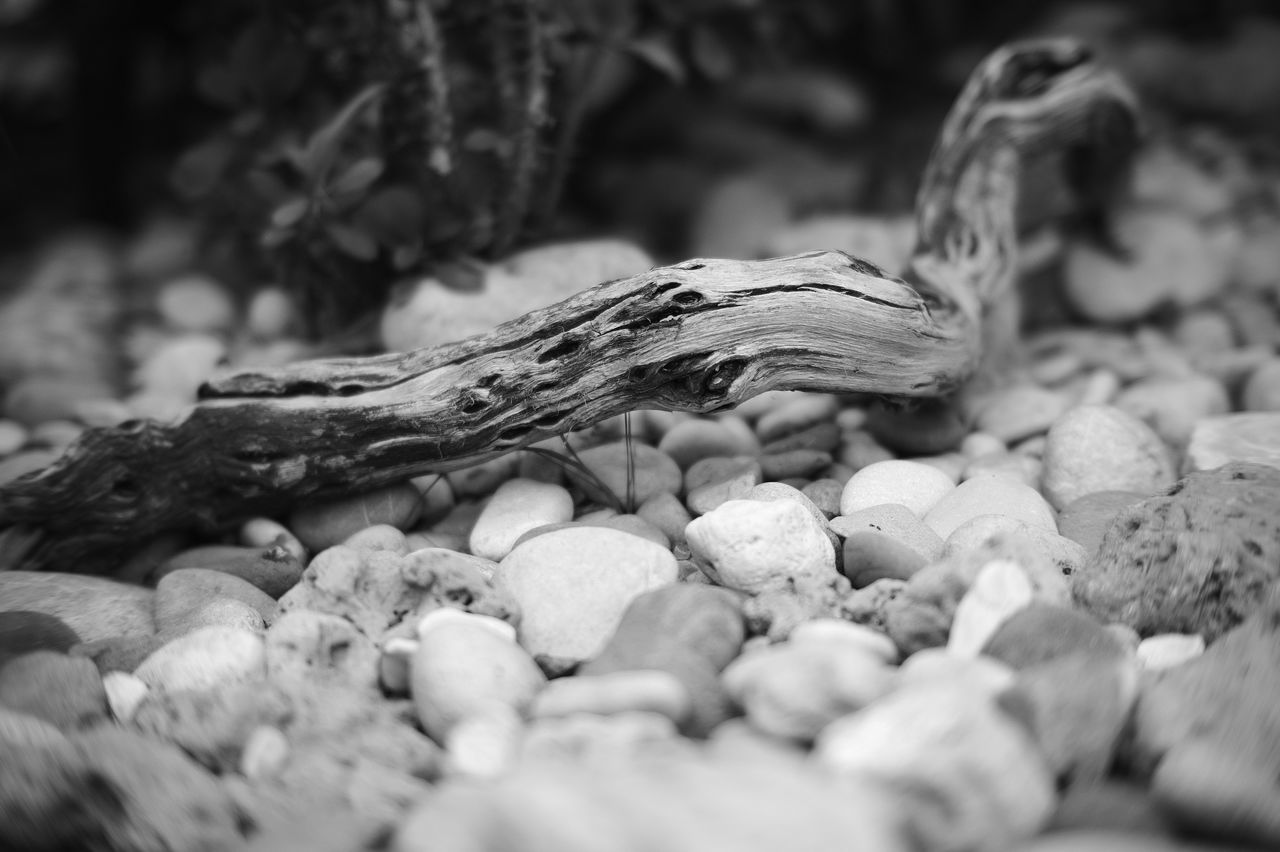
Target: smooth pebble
(752, 545)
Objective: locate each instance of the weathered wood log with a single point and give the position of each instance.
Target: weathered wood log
(697, 336)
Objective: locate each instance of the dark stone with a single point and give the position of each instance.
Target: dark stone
(870, 556)
(1198, 559)
(919, 428)
(273, 570)
(23, 631)
(64, 691)
(1110, 804)
(119, 653)
(1042, 631)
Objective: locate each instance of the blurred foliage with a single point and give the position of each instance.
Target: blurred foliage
(336, 146)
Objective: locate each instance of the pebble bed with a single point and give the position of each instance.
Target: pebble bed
(1045, 619)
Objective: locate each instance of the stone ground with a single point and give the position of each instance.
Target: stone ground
(1044, 620)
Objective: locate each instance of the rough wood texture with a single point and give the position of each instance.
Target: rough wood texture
(697, 336)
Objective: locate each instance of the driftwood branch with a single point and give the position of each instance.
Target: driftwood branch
(698, 336)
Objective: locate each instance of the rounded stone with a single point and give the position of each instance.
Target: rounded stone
(1173, 406)
(324, 524)
(208, 658)
(926, 428)
(1000, 589)
(316, 646)
(870, 556)
(637, 690)
(573, 585)
(1252, 436)
(1085, 519)
(696, 438)
(1169, 649)
(1262, 388)
(13, 435)
(95, 608)
(24, 631)
(64, 691)
(896, 521)
(463, 664)
(654, 471)
(195, 302)
(1018, 412)
(184, 593)
(1102, 448)
(990, 495)
(519, 505)
(917, 486)
(752, 545)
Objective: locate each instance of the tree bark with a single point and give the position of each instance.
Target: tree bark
(698, 336)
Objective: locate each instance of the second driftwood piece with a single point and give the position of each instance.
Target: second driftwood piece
(697, 336)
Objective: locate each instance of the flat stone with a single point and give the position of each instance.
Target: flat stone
(870, 556)
(895, 521)
(208, 658)
(23, 631)
(93, 607)
(273, 569)
(1167, 650)
(464, 663)
(974, 533)
(1245, 437)
(64, 691)
(1102, 448)
(572, 587)
(1215, 530)
(1042, 631)
(1225, 699)
(697, 438)
(182, 594)
(1085, 519)
(917, 486)
(990, 495)
(751, 545)
(323, 524)
(519, 505)
(654, 471)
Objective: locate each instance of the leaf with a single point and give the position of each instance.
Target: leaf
(393, 215)
(658, 53)
(317, 157)
(358, 177)
(290, 213)
(352, 242)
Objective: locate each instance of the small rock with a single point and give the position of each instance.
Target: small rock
(264, 533)
(124, 693)
(1112, 815)
(974, 533)
(179, 365)
(1085, 519)
(752, 545)
(825, 494)
(1173, 406)
(1224, 698)
(794, 464)
(1212, 793)
(971, 776)
(612, 740)
(480, 480)
(438, 497)
(324, 524)
(195, 302)
(484, 744)
(638, 526)
(270, 313)
(1216, 530)
(39, 398)
(318, 646)
(917, 486)
(64, 691)
(795, 689)
(1262, 388)
(465, 662)
(712, 482)
(1170, 259)
(1042, 631)
(654, 471)
(870, 556)
(1077, 705)
(1020, 467)
(1101, 448)
(1167, 650)
(795, 413)
(927, 428)
(939, 667)
(208, 658)
(1000, 589)
(1018, 412)
(895, 521)
(859, 449)
(638, 690)
(519, 505)
(990, 495)
(821, 437)
(13, 436)
(118, 653)
(1245, 437)
(573, 585)
(23, 631)
(91, 606)
(265, 753)
(273, 569)
(694, 439)
(182, 594)
(27, 461)
(379, 537)
(666, 513)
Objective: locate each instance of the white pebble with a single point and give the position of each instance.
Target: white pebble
(195, 303)
(13, 435)
(917, 486)
(206, 658)
(270, 313)
(990, 495)
(1000, 589)
(265, 752)
(1169, 649)
(519, 505)
(125, 692)
(751, 545)
(1101, 448)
